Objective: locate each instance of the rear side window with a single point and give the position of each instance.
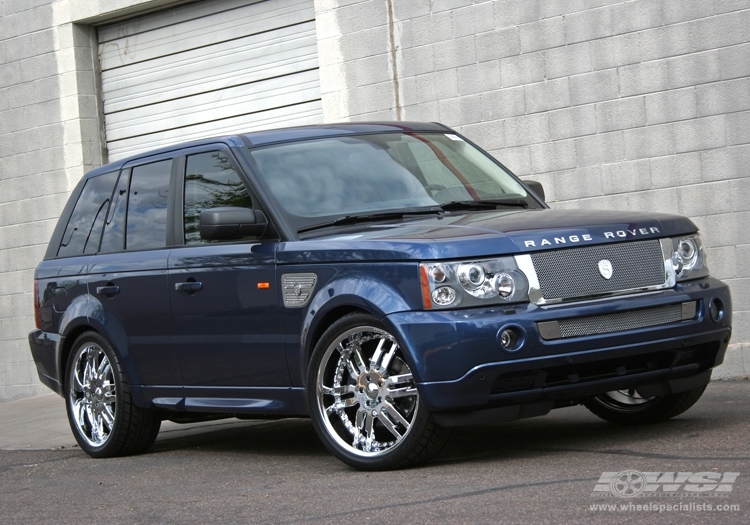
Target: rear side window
(147, 206)
(210, 182)
(85, 225)
(113, 239)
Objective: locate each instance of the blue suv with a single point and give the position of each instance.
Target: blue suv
(388, 280)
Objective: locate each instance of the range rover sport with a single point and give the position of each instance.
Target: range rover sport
(388, 280)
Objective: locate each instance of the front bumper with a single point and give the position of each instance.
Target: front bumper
(459, 365)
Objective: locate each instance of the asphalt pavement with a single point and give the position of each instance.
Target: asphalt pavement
(566, 467)
(40, 423)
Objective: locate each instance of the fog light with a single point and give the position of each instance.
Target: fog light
(716, 310)
(508, 339)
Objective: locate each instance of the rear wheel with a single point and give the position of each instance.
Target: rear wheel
(627, 407)
(104, 420)
(363, 400)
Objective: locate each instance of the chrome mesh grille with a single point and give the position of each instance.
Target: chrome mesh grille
(605, 324)
(574, 272)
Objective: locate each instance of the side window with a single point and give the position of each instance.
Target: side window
(113, 239)
(210, 182)
(85, 225)
(147, 206)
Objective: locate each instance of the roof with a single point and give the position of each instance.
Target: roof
(259, 138)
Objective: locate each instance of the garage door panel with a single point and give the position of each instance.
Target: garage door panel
(205, 31)
(257, 97)
(170, 17)
(301, 115)
(208, 68)
(286, 53)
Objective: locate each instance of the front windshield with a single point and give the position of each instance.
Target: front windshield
(360, 174)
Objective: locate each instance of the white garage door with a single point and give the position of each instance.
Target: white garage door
(211, 68)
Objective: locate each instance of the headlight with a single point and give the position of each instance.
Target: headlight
(688, 258)
(472, 283)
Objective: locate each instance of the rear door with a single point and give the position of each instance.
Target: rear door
(224, 303)
(129, 274)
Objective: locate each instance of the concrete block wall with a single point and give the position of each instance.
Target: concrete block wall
(639, 104)
(33, 184)
(49, 137)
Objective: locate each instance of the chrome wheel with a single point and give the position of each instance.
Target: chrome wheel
(93, 394)
(365, 393)
(101, 412)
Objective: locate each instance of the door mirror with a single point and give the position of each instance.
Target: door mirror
(536, 187)
(231, 223)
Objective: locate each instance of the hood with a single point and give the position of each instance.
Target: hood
(480, 234)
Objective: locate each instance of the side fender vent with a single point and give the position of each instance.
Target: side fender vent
(298, 288)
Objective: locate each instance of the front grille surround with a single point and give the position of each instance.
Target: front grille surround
(572, 274)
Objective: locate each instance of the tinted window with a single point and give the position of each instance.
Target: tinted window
(210, 182)
(147, 206)
(113, 239)
(85, 225)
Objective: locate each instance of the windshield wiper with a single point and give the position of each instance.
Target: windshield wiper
(371, 217)
(484, 204)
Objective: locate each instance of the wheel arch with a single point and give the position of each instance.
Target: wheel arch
(90, 319)
(352, 291)
(330, 316)
(326, 320)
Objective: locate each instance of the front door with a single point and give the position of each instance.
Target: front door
(225, 307)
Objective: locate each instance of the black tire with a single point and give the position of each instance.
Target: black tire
(101, 413)
(367, 411)
(626, 407)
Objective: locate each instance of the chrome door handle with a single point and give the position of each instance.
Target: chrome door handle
(191, 286)
(108, 290)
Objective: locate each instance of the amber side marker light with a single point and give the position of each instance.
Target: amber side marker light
(426, 297)
(264, 286)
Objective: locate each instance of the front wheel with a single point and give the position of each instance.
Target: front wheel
(627, 407)
(363, 400)
(104, 420)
